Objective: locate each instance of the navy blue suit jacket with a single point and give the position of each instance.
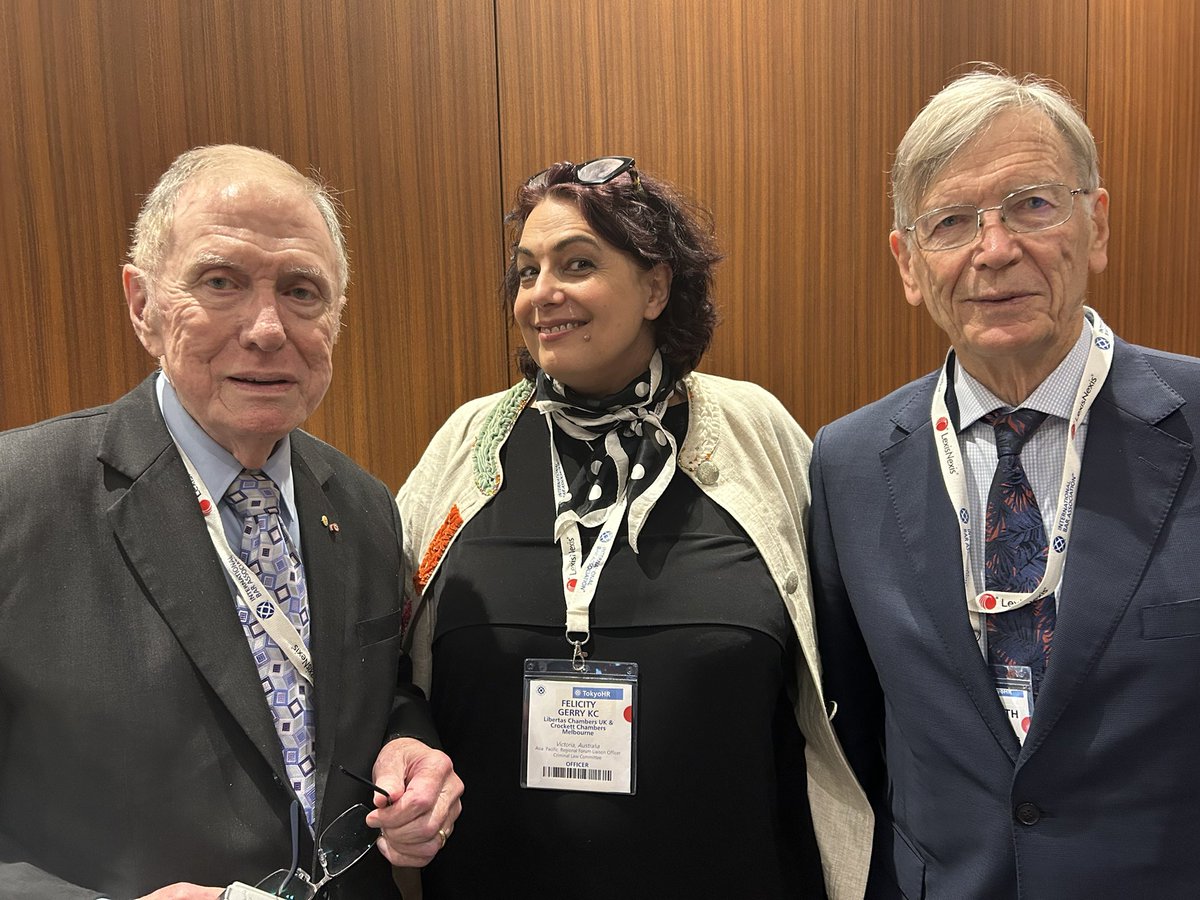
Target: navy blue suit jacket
(1103, 799)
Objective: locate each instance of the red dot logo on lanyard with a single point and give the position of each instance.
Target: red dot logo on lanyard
(571, 584)
(205, 507)
(942, 423)
(987, 601)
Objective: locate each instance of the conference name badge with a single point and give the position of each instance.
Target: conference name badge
(580, 726)
(1014, 687)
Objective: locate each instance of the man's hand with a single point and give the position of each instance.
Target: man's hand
(183, 890)
(424, 794)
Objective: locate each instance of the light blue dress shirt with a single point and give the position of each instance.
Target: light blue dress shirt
(1042, 455)
(218, 467)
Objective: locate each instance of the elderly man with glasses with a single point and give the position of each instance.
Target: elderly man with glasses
(1005, 551)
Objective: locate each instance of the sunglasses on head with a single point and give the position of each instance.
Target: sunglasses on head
(601, 170)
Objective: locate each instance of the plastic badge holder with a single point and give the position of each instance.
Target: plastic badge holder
(592, 678)
(239, 891)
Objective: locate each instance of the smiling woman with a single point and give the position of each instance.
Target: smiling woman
(585, 309)
(654, 516)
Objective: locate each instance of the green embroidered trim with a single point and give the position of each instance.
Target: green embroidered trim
(485, 458)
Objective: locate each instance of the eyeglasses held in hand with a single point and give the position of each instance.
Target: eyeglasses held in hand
(345, 841)
(1034, 208)
(601, 170)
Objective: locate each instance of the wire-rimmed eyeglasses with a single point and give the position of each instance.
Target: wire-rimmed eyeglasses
(600, 170)
(1033, 208)
(345, 841)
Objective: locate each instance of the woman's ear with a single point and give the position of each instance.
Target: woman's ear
(658, 283)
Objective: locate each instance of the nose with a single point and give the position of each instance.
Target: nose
(264, 329)
(997, 246)
(546, 291)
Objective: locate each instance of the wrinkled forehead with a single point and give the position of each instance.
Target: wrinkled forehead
(1018, 147)
(232, 202)
(230, 189)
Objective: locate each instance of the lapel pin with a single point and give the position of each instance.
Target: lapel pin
(332, 526)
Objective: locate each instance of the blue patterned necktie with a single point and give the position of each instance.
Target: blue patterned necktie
(1015, 556)
(266, 549)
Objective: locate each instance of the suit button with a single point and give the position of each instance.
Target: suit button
(1028, 813)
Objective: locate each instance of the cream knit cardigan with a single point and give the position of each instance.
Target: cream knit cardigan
(750, 457)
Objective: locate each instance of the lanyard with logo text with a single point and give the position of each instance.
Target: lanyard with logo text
(249, 587)
(580, 589)
(981, 602)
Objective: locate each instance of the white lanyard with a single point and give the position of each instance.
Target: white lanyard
(249, 587)
(946, 441)
(579, 590)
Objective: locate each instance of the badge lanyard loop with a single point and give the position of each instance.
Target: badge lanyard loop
(249, 587)
(979, 603)
(580, 589)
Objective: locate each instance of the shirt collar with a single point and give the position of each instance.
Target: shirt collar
(216, 465)
(1054, 396)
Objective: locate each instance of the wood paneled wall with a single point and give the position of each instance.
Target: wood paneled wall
(1144, 107)
(780, 117)
(394, 103)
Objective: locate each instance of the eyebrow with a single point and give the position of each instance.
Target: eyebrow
(1005, 196)
(313, 273)
(561, 245)
(207, 259)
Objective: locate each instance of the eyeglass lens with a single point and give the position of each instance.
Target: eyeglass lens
(298, 886)
(346, 840)
(602, 170)
(1030, 209)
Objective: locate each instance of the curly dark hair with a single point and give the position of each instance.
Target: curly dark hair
(652, 222)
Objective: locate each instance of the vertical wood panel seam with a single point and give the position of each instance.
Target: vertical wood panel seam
(506, 333)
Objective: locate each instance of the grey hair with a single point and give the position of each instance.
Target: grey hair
(962, 111)
(152, 230)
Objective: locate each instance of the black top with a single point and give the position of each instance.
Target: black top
(721, 806)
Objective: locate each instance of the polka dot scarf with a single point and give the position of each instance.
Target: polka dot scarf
(633, 455)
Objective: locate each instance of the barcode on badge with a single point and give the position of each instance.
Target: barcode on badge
(582, 774)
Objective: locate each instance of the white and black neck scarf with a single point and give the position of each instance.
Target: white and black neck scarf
(633, 455)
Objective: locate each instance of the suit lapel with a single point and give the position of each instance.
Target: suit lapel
(326, 575)
(161, 531)
(1132, 469)
(928, 527)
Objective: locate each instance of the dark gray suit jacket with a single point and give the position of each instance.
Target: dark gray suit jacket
(1103, 799)
(136, 748)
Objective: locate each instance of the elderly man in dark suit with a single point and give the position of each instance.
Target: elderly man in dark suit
(200, 603)
(1005, 551)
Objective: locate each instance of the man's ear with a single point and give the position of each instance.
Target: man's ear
(1098, 250)
(338, 308)
(658, 280)
(142, 313)
(912, 289)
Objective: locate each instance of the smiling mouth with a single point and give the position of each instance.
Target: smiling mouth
(559, 328)
(1000, 298)
(259, 381)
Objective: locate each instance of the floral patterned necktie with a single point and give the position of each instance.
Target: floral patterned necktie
(1015, 556)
